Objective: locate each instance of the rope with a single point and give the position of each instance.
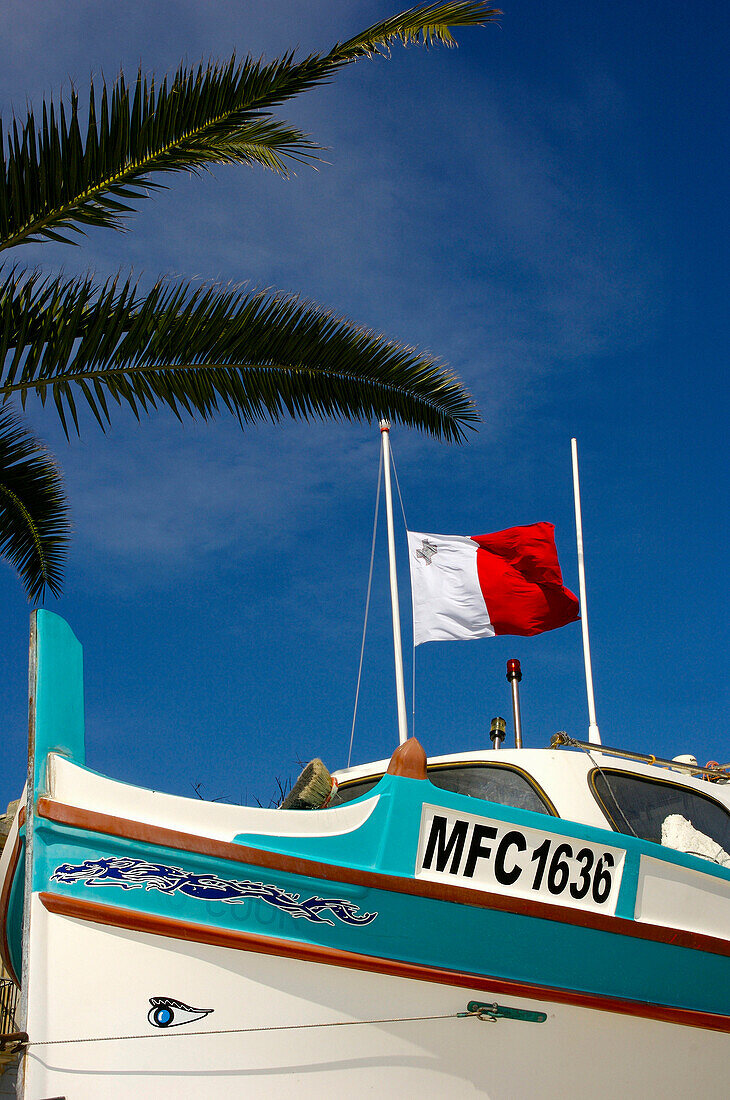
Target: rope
(703, 855)
(397, 485)
(246, 1030)
(367, 605)
(566, 740)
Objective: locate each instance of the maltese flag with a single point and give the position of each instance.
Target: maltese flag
(480, 585)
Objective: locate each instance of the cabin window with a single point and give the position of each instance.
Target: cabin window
(492, 782)
(641, 807)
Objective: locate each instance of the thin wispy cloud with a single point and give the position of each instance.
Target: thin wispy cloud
(519, 208)
(168, 501)
(536, 261)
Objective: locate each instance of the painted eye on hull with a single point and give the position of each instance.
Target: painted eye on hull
(168, 1012)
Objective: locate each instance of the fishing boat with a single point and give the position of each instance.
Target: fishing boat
(498, 922)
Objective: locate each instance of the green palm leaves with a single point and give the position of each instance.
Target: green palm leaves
(258, 355)
(195, 349)
(55, 182)
(34, 526)
(52, 182)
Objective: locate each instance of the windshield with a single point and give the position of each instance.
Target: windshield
(492, 782)
(642, 807)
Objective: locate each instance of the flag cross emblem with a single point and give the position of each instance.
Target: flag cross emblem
(426, 551)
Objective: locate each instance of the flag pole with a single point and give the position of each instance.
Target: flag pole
(400, 689)
(593, 735)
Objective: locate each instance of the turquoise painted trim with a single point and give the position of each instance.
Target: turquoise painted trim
(59, 694)
(388, 840)
(375, 848)
(409, 928)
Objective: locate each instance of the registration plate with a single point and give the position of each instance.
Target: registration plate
(484, 853)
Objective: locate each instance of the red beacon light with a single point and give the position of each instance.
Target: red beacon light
(514, 672)
(514, 675)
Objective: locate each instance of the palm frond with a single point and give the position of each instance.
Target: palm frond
(421, 26)
(53, 182)
(34, 526)
(200, 349)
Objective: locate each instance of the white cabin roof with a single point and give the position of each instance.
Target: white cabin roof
(561, 774)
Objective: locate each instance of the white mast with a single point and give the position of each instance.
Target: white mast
(593, 735)
(397, 645)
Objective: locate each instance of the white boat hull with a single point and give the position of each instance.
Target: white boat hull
(96, 983)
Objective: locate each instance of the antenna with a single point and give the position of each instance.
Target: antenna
(593, 735)
(397, 644)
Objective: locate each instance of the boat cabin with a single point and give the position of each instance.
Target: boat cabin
(659, 802)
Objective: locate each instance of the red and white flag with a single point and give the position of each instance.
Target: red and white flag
(477, 586)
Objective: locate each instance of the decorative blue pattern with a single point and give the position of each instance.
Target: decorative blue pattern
(134, 874)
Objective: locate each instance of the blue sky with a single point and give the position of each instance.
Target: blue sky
(545, 208)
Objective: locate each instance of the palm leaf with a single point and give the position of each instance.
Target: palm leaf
(199, 349)
(53, 182)
(421, 25)
(34, 526)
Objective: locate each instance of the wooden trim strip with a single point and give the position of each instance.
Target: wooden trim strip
(115, 917)
(5, 898)
(240, 853)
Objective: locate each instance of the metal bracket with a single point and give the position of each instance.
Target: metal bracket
(494, 1012)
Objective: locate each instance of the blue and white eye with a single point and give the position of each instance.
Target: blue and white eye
(167, 1012)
